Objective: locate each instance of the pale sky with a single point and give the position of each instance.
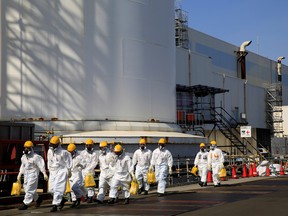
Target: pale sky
(265, 22)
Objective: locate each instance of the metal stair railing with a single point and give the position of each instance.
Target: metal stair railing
(224, 120)
(225, 126)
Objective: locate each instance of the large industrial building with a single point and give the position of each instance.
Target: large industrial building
(125, 69)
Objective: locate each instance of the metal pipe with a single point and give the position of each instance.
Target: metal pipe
(245, 97)
(244, 45)
(279, 66)
(189, 66)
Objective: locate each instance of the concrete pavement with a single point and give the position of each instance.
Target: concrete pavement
(244, 196)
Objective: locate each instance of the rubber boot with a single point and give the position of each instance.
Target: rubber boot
(111, 201)
(23, 207)
(39, 201)
(126, 201)
(54, 208)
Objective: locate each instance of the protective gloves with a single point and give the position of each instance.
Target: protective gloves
(133, 176)
(45, 177)
(209, 167)
(69, 174)
(151, 169)
(19, 177)
(170, 170)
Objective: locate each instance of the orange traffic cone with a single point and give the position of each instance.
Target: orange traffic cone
(281, 172)
(209, 176)
(234, 175)
(250, 170)
(244, 171)
(268, 172)
(255, 173)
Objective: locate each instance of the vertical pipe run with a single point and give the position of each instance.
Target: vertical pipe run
(279, 70)
(243, 67)
(279, 67)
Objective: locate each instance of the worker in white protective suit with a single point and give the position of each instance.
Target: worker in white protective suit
(122, 170)
(76, 179)
(31, 164)
(215, 162)
(89, 154)
(106, 171)
(59, 165)
(201, 162)
(162, 160)
(141, 159)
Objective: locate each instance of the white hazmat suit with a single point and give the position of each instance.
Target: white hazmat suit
(31, 164)
(106, 172)
(201, 161)
(76, 179)
(91, 160)
(59, 165)
(122, 165)
(215, 162)
(141, 158)
(162, 160)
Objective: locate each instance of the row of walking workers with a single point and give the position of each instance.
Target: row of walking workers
(116, 171)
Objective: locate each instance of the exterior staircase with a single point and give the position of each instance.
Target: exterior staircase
(230, 128)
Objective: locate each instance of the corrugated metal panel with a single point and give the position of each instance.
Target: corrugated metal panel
(16, 131)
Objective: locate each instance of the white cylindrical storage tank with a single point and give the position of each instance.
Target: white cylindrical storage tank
(88, 60)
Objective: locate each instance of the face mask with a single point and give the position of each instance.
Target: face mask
(118, 153)
(53, 147)
(202, 150)
(89, 147)
(142, 147)
(103, 150)
(26, 151)
(212, 147)
(161, 147)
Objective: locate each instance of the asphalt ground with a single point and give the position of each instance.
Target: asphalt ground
(237, 197)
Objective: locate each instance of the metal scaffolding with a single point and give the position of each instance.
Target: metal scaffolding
(181, 28)
(195, 106)
(274, 116)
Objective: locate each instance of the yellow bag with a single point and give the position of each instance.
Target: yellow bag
(89, 181)
(194, 171)
(68, 187)
(16, 188)
(151, 178)
(222, 173)
(134, 187)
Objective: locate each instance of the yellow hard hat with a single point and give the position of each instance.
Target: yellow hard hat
(202, 145)
(89, 142)
(103, 144)
(213, 142)
(71, 147)
(142, 141)
(162, 141)
(55, 140)
(118, 148)
(28, 144)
